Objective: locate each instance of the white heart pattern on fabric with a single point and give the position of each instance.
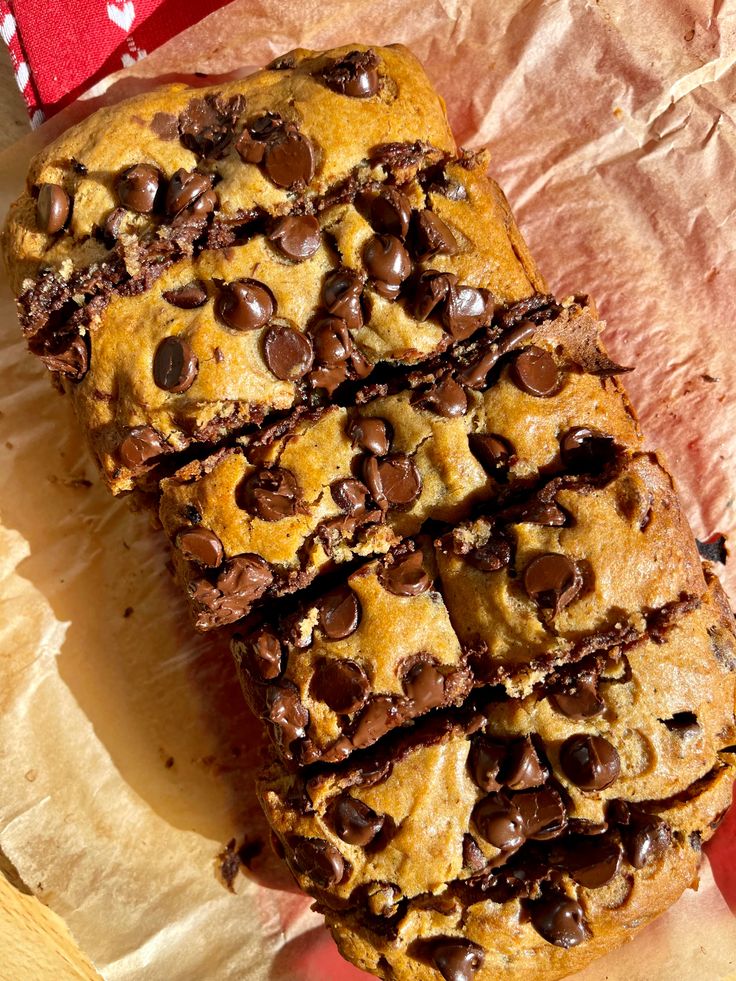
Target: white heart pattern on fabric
(122, 17)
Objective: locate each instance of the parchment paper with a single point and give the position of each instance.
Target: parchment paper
(126, 755)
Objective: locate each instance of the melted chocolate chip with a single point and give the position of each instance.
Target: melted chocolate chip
(52, 208)
(387, 263)
(270, 494)
(407, 576)
(523, 767)
(332, 341)
(137, 187)
(341, 684)
(189, 189)
(494, 453)
(296, 236)
(553, 580)
(341, 295)
(431, 291)
(287, 352)
(390, 212)
(265, 654)
(424, 684)
(187, 297)
(559, 920)
(499, 821)
(590, 762)
(202, 546)
(289, 158)
(71, 361)
(319, 860)
(447, 399)
(140, 446)
(473, 857)
(591, 860)
(355, 822)
(430, 235)
(287, 714)
(394, 481)
(246, 576)
(580, 700)
(350, 495)
(543, 813)
(245, 304)
(356, 75)
(456, 959)
(175, 365)
(537, 512)
(339, 613)
(466, 309)
(585, 450)
(534, 371)
(206, 125)
(495, 554)
(370, 434)
(646, 836)
(485, 760)
(380, 714)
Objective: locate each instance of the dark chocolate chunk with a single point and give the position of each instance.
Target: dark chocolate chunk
(71, 361)
(137, 187)
(187, 297)
(189, 189)
(288, 352)
(341, 295)
(265, 654)
(387, 263)
(175, 365)
(390, 212)
(446, 398)
(270, 494)
(591, 860)
(590, 762)
(52, 208)
(356, 74)
(431, 292)
(542, 812)
(713, 549)
(339, 613)
(586, 450)
(407, 576)
(456, 959)
(683, 724)
(370, 434)
(289, 158)
(206, 125)
(245, 304)
(430, 235)
(559, 919)
(394, 481)
(523, 768)
(296, 236)
(485, 761)
(494, 453)
(553, 580)
(202, 546)
(354, 821)
(536, 512)
(534, 371)
(466, 309)
(349, 494)
(341, 684)
(380, 714)
(319, 860)
(579, 699)
(424, 685)
(140, 446)
(495, 554)
(499, 821)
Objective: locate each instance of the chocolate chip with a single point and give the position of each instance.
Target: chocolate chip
(424, 684)
(341, 684)
(289, 158)
(542, 812)
(339, 613)
(371, 434)
(553, 580)
(266, 653)
(246, 576)
(245, 304)
(586, 450)
(580, 700)
(187, 297)
(270, 494)
(430, 292)
(713, 549)
(141, 445)
(319, 860)
(456, 959)
(354, 821)
(394, 481)
(356, 74)
(591, 860)
(537, 512)
(534, 371)
(645, 836)
(52, 208)
(682, 724)
(282, 63)
(590, 762)
(485, 760)
(390, 212)
(431, 235)
(286, 713)
(110, 230)
(287, 352)
(380, 714)
(341, 295)
(206, 125)
(446, 398)
(349, 495)
(250, 150)
(387, 263)
(499, 821)
(495, 554)
(332, 342)
(466, 309)
(71, 361)
(296, 236)
(559, 920)
(523, 768)
(175, 365)
(202, 546)
(137, 187)
(189, 189)
(494, 453)
(406, 577)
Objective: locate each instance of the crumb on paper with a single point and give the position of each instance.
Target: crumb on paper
(127, 612)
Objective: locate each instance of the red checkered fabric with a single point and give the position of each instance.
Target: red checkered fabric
(59, 48)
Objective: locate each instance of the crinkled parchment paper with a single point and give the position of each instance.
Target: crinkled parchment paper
(126, 754)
